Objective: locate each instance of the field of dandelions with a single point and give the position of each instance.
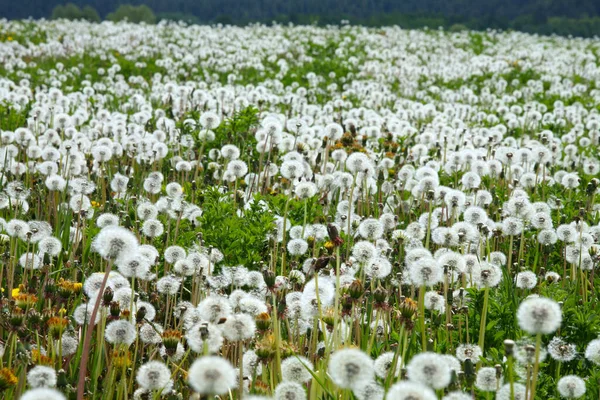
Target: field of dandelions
(288, 213)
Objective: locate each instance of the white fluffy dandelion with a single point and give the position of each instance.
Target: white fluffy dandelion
(120, 332)
(41, 376)
(211, 376)
(571, 387)
(539, 315)
(350, 368)
(296, 369)
(429, 369)
(153, 375)
(407, 390)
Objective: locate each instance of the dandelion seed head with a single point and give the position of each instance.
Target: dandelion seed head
(539, 315)
(296, 369)
(211, 375)
(571, 387)
(350, 368)
(429, 369)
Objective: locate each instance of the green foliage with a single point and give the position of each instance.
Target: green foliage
(237, 128)
(89, 13)
(241, 235)
(136, 14)
(73, 12)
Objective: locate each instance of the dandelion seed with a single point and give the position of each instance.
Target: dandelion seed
(539, 315)
(43, 393)
(296, 369)
(384, 363)
(153, 375)
(429, 369)
(120, 332)
(407, 390)
(350, 368)
(571, 387)
(41, 376)
(211, 375)
(518, 392)
(468, 352)
(487, 379)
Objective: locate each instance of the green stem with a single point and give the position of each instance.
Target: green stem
(486, 297)
(422, 317)
(536, 366)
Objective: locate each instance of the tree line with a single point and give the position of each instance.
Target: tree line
(565, 17)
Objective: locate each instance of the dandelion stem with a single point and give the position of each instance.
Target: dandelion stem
(536, 365)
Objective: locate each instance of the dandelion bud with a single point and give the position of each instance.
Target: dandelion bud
(171, 338)
(509, 347)
(7, 379)
(140, 314)
(61, 378)
(108, 296)
(356, 289)
(263, 321)
(269, 277)
(380, 295)
(115, 309)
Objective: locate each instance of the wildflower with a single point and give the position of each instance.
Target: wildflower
(592, 351)
(239, 327)
(427, 368)
(518, 391)
(350, 368)
(468, 352)
(457, 396)
(41, 376)
(25, 300)
(571, 387)
(168, 285)
(50, 245)
(378, 268)
(113, 242)
(43, 393)
(120, 332)
(371, 229)
(561, 350)
(369, 391)
(214, 308)
(68, 345)
(297, 247)
(305, 190)
(174, 253)
(296, 369)
(211, 375)
(288, 390)
(209, 120)
(152, 228)
(487, 379)
(7, 378)
(363, 251)
(526, 280)
(539, 315)
(153, 375)
(425, 272)
(408, 390)
(435, 302)
(30, 261)
(384, 363)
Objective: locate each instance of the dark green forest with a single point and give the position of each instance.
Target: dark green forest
(579, 18)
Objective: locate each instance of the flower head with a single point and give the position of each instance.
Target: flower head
(211, 375)
(539, 315)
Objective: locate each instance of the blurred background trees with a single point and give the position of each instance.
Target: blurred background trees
(564, 17)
